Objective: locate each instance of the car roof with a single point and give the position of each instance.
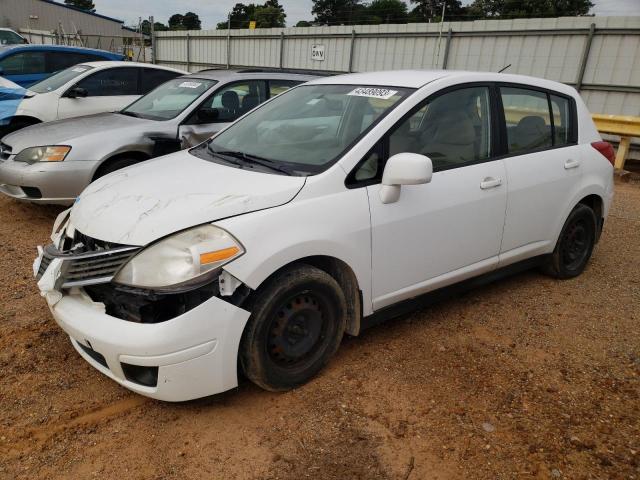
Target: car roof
(122, 63)
(57, 48)
(224, 75)
(419, 78)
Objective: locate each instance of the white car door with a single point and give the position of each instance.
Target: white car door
(542, 167)
(107, 90)
(451, 228)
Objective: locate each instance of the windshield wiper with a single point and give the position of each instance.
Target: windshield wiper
(129, 114)
(254, 159)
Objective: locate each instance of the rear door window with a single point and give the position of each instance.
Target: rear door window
(111, 82)
(528, 120)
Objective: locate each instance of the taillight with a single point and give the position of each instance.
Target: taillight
(606, 149)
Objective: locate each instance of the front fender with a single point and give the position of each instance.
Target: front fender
(336, 225)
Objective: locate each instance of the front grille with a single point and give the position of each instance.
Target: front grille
(5, 151)
(87, 262)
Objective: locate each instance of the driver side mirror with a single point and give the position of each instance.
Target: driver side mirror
(207, 115)
(76, 92)
(404, 169)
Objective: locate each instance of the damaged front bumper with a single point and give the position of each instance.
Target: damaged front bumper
(189, 356)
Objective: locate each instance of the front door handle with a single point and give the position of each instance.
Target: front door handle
(490, 182)
(569, 164)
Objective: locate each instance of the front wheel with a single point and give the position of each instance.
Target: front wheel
(575, 244)
(297, 322)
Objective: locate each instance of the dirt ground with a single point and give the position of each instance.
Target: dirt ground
(525, 378)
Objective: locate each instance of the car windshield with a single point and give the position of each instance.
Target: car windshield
(305, 129)
(59, 79)
(170, 99)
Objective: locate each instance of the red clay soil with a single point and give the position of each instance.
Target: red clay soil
(529, 377)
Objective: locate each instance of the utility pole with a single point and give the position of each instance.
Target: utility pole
(229, 41)
(444, 6)
(152, 32)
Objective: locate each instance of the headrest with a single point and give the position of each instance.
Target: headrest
(250, 101)
(230, 100)
(454, 128)
(532, 123)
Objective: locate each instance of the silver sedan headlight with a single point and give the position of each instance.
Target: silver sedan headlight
(51, 153)
(181, 261)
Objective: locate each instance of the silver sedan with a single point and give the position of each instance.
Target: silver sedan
(54, 162)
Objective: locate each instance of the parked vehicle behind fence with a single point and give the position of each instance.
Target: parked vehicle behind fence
(28, 64)
(10, 37)
(331, 207)
(54, 162)
(84, 89)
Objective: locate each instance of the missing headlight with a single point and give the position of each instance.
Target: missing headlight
(147, 306)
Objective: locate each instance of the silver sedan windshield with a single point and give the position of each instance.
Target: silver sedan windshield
(170, 99)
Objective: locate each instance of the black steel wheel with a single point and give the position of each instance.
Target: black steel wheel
(575, 244)
(297, 322)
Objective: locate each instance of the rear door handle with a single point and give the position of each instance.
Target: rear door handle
(490, 182)
(569, 164)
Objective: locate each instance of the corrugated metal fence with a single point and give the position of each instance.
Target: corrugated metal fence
(598, 55)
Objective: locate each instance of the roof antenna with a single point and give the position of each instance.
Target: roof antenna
(503, 69)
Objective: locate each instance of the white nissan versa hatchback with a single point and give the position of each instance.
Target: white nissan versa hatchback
(327, 208)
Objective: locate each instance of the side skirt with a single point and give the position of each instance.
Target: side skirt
(429, 298)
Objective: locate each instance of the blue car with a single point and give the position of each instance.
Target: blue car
(28, 64)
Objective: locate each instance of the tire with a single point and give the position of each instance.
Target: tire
(113, 165)
(297, 322)
(575, 244)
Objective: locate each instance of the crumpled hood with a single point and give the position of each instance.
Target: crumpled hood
(61, 132)
(145, 202)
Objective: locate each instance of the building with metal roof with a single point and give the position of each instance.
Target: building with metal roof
(49, 21)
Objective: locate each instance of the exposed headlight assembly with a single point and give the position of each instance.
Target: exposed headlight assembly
(51, 153)
(181, 261)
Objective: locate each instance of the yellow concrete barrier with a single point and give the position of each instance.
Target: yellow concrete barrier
(624, 126)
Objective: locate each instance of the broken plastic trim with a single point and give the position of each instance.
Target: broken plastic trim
(148, 306)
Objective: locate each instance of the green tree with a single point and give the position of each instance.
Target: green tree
(157, 26)
(160, 27)
(338, 12)
(304, 23)
(175, 22)
(241, 15)
(191, 21)
(529, 8)
(387, 11)
(431, 10)
(269, 17)
(82, 4)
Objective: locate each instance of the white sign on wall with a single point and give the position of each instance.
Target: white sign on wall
(317, 52)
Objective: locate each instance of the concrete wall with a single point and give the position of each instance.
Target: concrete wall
(553, 48)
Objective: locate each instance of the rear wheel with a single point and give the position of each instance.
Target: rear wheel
(575, 244)
(297, 322)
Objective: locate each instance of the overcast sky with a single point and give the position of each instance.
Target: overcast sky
(213, 11)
